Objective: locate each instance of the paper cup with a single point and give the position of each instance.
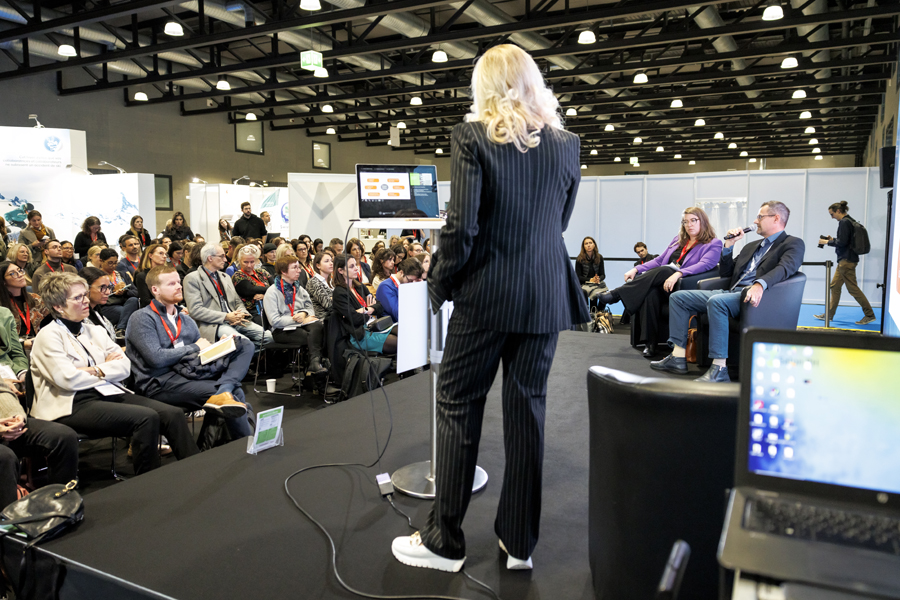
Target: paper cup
(270, 385)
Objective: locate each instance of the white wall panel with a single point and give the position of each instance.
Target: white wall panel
(584, 221)
(622, 222)
(722, 185)
(667, 197)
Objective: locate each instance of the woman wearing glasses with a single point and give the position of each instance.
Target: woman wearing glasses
(694, 250)
(27, 309)
(99, 290)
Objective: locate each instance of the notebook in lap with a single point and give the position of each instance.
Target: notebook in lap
(817, 474)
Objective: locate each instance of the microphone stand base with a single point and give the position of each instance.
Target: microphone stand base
(416, 480)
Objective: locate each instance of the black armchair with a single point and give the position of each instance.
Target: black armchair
(778, 309)
(661, 463)
(638, 337)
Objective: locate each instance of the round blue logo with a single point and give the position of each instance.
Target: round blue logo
(53, 144)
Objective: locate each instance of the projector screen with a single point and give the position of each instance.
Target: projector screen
(891, 310)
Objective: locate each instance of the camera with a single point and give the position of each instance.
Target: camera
(822, 237)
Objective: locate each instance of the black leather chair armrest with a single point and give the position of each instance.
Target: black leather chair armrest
(717, 283)
(779, 307)
(691, 282)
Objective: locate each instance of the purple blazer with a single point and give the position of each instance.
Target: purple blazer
(700, 258)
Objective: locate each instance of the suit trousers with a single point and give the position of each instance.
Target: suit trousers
(471, 358)
(846, 274)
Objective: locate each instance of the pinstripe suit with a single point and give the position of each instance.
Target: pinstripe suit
(506, 308)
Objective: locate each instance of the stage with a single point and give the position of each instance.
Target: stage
(219, 525)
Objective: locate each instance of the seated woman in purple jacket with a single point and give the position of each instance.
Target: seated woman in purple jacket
(694, 250)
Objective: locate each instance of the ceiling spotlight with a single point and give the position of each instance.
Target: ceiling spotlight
(732, 146)
(809, 130)
(223, 84)
(817, 150)
(401, 125)
(677, 156)
(693, 162)
(719, 136)
(799, 94)
(699, 123)
(66, 50)
(174, 29)
(609, 127)
(744, 153)
(752, 160)
(813, 142)
(818, 157)
(676, 103)
(617, 159)
(140, 97)
(389, 142)
(587, 37)
(806, 115)
(660, 149)
(310, 5)
(571, 112)
(773, 11)
(584, 166)
(633, 159)
(593, 153)
(416, 101)
(640, 77)
(250, 117)
(789, 63)
(327, 108)
(320, 72)
(251, 138)
(331, 131)
(439, 56)
(439, 151)
(635, 164)
(638, 140)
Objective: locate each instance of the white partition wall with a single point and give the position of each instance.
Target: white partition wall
(211, 202)
(620, 211)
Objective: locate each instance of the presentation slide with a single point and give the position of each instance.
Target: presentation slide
(891, 310)
(385, 186)
(397, 190)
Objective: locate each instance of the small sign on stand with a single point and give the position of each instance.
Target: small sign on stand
(268, 431)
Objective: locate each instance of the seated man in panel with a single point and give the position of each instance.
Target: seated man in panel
(408, 271)
(215, 305)
(760, 264)
(162, 344)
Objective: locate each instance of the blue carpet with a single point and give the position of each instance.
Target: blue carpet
(844, 318)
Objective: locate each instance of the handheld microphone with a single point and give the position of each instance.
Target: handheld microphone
(731, 235)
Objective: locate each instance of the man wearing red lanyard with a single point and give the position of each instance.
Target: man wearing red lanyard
(131, 262)
(408, 271)
(160, 340)
(52, 264)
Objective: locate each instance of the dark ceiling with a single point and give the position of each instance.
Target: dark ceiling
(720, 59)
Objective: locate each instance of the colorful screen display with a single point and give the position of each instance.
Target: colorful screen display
(396, 190)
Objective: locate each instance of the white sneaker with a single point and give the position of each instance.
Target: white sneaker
(410, 550)
(516, 564)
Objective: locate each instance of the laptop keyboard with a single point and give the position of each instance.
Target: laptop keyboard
(816, 523)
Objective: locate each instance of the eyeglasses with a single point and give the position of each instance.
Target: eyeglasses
(761, 217)
(690, 221)
(16, 272)
(79, 299)
(105, 289)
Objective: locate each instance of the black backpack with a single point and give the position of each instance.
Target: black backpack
(859, 241)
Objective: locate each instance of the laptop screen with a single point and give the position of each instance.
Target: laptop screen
(825, 414)
(397, 191)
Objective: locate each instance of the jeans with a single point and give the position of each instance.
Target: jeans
(718, 304)
(250, 330)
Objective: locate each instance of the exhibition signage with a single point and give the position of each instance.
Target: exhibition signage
(268, 431)
(30, 149)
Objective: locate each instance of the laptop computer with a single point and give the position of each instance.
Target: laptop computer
(397, 191)
(817, 472)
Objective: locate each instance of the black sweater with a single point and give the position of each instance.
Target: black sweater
(587, 269)
(83, 241)
(345, 304)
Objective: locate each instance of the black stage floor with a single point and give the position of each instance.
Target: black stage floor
(220, 525)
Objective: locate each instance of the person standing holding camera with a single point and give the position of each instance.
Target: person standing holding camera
(847, 261)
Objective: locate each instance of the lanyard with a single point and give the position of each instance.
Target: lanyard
(215, 283)
(49, 267)
(684, 250)
(93, 237)
(253, 277)
(293, 295)
(26, 318)
(133, 265)
(394, 281)
(166, 326)
(90, 358)
(359, 298)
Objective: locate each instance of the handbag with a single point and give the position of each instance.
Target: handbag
(690, 349)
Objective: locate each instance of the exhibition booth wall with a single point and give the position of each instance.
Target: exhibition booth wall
(211, 202)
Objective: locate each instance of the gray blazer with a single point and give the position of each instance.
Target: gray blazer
(203, 301)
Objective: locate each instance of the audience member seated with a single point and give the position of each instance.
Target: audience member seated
(138, 231)
(643, 254)
(176, 257)
(317, 246)
(165, 240)
(306, 263)
(415, 249)
(425, 259)
(760, 265)
(99, 289)
(77, 368)
(291, 313)
(232, 260)
(388, 295)
(694, 250)
(194, 259)
(90, 233)
(27, 309)
(52, 263)
(214, 303)
(29, 436)
(224, 230)
(382, 266)
(355, 307)
(427, 245)
(68, 255)
(123, 300)
(198, 239)
(320, 287)
(131, 262)
(4, 237)
(155, 255)
(337, 246)
(399, 254)
(395, 239)
(379, 245)
(36, 232)
(251, 282)
(179, 229)
(284, 250)
(163, 344)
(20, 255)
(356, 250)
(267, 259)
(590, 270)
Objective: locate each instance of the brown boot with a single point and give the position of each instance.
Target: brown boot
(225, 405)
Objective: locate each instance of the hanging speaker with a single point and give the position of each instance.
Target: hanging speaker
(886, 166)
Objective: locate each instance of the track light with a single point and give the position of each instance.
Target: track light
(571, 112)
(809, 130)
(439, 56)
(699, 123)
(401, 125)
(773, 11)
(593, 153)
(719, 136)
(789, 63)
(806, 115)
(250, 117)
(660, 149)
(66, 50)
(327, 108)
(799, 94)
(638, 140)
(140, 97)
(676, 103)
(320, 72)
(416, 101)
(584, 166)
(752, 160)
(693, 162)
(677, 156)
(609, 127)
(818, 157)
(744, 153)
(813, 142)
(223, 84)
(174, 29)
(617, 159)
(640, 77)
(310, 5)
(635, 164)
(817, 150)
(330, 131)
(439, 151)
(732, 146)
(587, 37)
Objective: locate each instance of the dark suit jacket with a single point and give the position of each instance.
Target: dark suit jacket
(502, 202)
(781, 261)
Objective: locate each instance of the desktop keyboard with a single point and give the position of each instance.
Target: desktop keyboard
(816, 523)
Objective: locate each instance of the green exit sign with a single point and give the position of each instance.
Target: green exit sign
(311, 60)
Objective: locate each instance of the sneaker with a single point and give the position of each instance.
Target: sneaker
(225, 405)
(410, 550)
(516, 564)
(819, 317)
(865, 320)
